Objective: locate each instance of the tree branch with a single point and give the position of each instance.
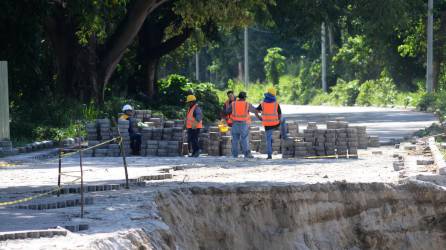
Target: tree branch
(125, 34)
(170, 44)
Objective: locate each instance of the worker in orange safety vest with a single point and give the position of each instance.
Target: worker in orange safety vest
(271, 118)
(194, 122)
(239, 110)
(224, 116)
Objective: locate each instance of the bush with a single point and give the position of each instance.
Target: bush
(381, 92)
(274, 64)
(426, 102)
(174, 90)
(344, 93)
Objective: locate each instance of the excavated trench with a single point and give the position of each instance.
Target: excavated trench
(318, 216)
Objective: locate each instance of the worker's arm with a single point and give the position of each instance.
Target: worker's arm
(255, 111)
(228, 110)
(258, 109)
(198, 114)
(279, 111)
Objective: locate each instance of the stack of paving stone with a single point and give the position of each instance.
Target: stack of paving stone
(288, 148)
(123, 126)
(157, 120)
(169, 124)
(143, 115)
(157, 134)
(114, 150)
(341, 142)
(167, 134)
(330, 141)
(255, 138)
(363, 139)
(6, 147)
(92, 131)
(162, 150)
(203, 142)
(352, 142)
(300, 148)
(226, 145)
(214, 141)
(292, 129)
(151, 148)
(174, 148)
(179, 123)
(319, 142)
(177, 134)
(309, 135)
(373, 141)
(311, 125)
(104, 128)
(146, 134)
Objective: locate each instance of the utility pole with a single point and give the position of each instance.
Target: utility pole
(4, 102)
(197, 66)
(430, 48)
(246, 58)
(324, 57)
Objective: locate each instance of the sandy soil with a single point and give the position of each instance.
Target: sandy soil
(117, 217)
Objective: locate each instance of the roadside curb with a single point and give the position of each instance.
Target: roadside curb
(438, 157)
(32, 234)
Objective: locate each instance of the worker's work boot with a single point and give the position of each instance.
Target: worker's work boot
(196, 154)
(269, 157)
(249, 156)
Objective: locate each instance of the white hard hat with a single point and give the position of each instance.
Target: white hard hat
(127, 107)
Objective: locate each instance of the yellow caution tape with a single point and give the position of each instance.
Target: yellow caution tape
(8, 203)
(7, 164)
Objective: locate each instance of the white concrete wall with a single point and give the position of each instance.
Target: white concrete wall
(4, 101)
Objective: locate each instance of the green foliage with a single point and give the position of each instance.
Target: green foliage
(355, 60)
(380, 92)
(342, 94)
(174, 90)
(427, 101)
(274, 64)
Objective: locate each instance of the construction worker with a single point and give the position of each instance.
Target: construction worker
(239, 110)
(194, 122)
(224, 116)
(135, 138)
(271, 118)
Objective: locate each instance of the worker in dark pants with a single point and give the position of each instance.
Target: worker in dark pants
(194, 122)
(135, 138)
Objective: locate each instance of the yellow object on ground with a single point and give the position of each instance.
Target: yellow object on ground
(191, 98)
(223, 127)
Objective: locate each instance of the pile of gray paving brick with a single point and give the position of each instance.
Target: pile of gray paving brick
(160, 137)
(6, 147)
(337, 140)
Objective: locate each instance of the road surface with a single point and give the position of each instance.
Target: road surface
(387, 123)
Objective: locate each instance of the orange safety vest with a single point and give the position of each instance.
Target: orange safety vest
(190, 119)
(228, 116)
(270, 114)
(240, 111)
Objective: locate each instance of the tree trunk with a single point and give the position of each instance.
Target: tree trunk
(151, 76)
(83, 70)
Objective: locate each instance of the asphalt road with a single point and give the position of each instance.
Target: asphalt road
(387, 123)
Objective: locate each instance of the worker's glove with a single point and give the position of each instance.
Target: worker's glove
(194, 125)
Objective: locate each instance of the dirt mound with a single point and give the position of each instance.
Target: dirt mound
(319, 216)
